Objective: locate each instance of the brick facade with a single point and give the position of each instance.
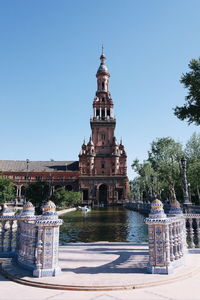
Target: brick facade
(100, 174)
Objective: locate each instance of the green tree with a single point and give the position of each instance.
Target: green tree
(190, 111)
(37, 193)
(6, 189)
(145, 184)
(192, 151)
(165, 156)
(62, 197)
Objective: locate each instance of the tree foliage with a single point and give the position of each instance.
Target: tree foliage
(6, 189)
(62, 197)
(190, 111)
(165, 156)
(159, 175)
(37, 193)
(192, 152)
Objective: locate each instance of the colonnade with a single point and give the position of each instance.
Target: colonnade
(103, 112)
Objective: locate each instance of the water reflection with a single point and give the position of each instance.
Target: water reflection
(113, 224)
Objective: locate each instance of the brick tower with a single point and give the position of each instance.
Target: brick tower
(102, 161)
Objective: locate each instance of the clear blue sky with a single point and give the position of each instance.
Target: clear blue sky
(49, 55)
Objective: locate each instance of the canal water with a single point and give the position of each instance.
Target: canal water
(112, 224)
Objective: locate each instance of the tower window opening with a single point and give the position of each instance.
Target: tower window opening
(103, 113)
(97, 113)
(103, 85)
(103, 136)
(108, 112)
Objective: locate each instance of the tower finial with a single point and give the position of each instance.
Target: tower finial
(102, 49)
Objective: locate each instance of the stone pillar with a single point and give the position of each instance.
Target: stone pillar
(164, 244)
(26, 236)
(20, 192)
(47, 242)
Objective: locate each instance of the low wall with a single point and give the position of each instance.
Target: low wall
(65, 211)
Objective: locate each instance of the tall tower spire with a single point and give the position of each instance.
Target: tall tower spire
(103, 161)
(102, 105)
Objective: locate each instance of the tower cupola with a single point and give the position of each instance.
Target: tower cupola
(103, 69)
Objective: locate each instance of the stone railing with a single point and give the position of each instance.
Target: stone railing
(192, 230)
(167, 239)
(8, 232)
(32, 240)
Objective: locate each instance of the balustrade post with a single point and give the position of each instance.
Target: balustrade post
(26, 236)
(165, 239)
(47, 242)
(171, 239)
(3, 230)
(176, 254)
(191, 233)
(167, 245)
(198, 231)
(10, 235)
(159, 239)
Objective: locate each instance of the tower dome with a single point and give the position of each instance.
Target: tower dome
(103, 69)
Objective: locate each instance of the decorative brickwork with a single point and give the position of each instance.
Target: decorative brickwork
(102, 161)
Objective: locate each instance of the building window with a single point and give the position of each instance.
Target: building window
(103, 136)
(103, 85)
(102, 165)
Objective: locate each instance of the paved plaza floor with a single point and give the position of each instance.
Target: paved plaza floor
(105, 271)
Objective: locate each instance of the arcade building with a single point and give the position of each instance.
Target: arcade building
(101, 171)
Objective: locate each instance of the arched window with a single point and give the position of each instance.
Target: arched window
(103, 85)
(103, 136)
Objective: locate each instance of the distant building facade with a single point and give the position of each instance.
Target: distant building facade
(101, 172)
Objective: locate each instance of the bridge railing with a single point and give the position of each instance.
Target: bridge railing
(8, 232)
(192, 230)
(32, 240)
